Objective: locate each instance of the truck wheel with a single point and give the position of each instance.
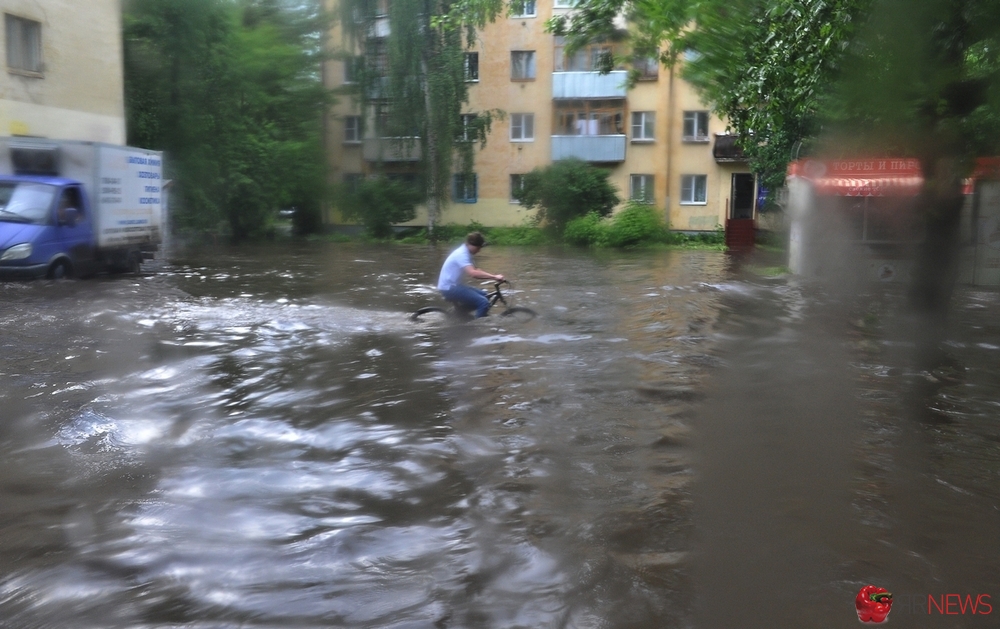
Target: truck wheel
(135, 264)
(59, 270)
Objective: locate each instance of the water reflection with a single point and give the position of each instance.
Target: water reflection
(259, 437)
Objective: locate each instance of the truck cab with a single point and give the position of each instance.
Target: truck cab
(46, 228)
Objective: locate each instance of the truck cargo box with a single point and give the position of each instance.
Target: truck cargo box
(124, 184)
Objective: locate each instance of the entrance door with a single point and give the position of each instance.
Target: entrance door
(742, 196)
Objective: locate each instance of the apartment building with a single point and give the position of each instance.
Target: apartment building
(659, 142)
(63, 74)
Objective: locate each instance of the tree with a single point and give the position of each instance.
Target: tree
(380, 202)
(566, 190)
(763, 65)
(231, 91)
(923, 80)
(417, 73)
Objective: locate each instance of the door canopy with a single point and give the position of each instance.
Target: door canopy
(881, 177)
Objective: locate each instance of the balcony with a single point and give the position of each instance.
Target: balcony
(589, 148)
(391, 149)
(726, 149)
(589, 84)
(379, 27)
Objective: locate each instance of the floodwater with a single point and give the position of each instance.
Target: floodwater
(258, 437)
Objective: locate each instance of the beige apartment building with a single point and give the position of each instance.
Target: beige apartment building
(63, 74)
(657, 139)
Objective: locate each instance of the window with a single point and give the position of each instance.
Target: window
(643, 126)
(527, 8)
(378, 8)
(516, 185)
(590, 117)
(469, 123)
(693, 189)
(641, 188)
(70, 199)
(471, 66)
(352, 129)
(24, 44)
(465, 188)
(522, 65)
(352, 181)
(589, 58)
(381, 110)
(564, 4)
(522, 127)
(696, 126)
(647, 67)
(352, 67)
(378, 56)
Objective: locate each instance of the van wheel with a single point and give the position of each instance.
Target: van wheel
(59, 270)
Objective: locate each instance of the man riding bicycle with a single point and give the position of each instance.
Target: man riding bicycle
(457, 267)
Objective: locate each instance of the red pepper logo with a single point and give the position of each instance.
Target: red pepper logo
(873, 604)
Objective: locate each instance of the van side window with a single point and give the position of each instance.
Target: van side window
(70, 199)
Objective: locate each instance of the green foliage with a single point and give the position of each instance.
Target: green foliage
(636, 224)
(522, 235)
(421, 80)
(231, 91)
(584, 231)
(380, 202)
(923, 79)
(566, 190)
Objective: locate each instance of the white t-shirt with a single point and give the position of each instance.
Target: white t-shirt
(453, 269)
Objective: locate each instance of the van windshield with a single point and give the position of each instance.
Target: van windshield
(23, 202)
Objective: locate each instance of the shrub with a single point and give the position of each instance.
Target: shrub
(516, 236)
(378, 203)
(585, 230)
(637, 223)
(566, 190)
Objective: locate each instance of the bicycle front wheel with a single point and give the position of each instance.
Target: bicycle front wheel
(429, 313)
(519, 313)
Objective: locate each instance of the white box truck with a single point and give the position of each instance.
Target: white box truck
(73, 208)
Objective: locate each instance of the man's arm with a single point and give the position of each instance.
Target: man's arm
(479, 274)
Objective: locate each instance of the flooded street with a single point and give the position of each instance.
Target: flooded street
(258, 437)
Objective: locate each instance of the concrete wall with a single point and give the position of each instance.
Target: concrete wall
(79, 94)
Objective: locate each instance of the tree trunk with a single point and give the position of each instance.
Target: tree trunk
(433, 168)
(936, 271)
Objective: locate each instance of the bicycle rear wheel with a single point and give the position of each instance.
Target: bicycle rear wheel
(519, 313)
(429, 313)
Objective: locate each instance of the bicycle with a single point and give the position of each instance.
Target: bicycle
(518, 313)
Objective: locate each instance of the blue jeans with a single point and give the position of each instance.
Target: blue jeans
(468, 298)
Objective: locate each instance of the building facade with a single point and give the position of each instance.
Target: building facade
(63, 76)
(659, 142)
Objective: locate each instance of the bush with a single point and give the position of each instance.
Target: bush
(585, 230)
(516, 236)
(566, 190)
(378, 203)
(637, 223)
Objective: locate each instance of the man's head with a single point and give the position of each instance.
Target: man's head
(475, 239)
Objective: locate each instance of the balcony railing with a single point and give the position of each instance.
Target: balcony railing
(726, 149)
(590, 148)
(391, 149)
(589, 84)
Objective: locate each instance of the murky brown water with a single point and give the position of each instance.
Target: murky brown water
(258, 437)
